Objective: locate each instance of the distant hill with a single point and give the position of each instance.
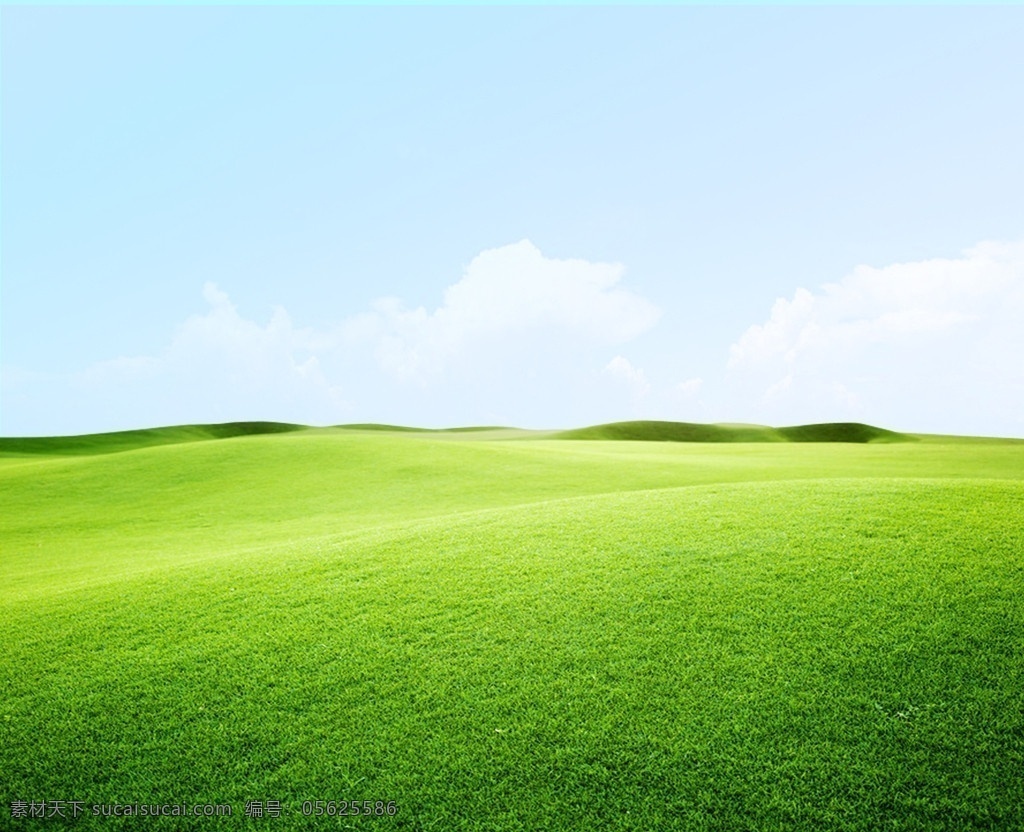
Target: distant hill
(647, 431)
(129, 440)
(654, 431)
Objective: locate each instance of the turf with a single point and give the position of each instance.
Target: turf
(531, 634)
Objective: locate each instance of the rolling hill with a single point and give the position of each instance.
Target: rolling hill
(655, 431)
(648, 431)
(498, 629)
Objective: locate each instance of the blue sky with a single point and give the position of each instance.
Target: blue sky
(532, 216)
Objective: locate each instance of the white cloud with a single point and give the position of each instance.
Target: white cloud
(621, 370)
(515, 324)
(905, 338)
(220, 365)
(512, 291)
(877, 305)
(241, 348)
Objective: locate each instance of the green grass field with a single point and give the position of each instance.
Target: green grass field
(816, 628)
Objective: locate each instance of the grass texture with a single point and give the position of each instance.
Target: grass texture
(516, 633)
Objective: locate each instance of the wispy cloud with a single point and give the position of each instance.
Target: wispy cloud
(634, 378)
(689, 388)
(225, 366)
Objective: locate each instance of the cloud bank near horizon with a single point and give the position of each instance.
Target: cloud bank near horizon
(931, 335)
(522, 339)
(511, 304)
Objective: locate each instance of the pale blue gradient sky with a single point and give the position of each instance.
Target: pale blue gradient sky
(172, 176)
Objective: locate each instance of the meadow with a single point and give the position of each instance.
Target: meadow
(492, 629)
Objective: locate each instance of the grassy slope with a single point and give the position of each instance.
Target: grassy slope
(130, 440)
(172, 504)
(530, 634)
